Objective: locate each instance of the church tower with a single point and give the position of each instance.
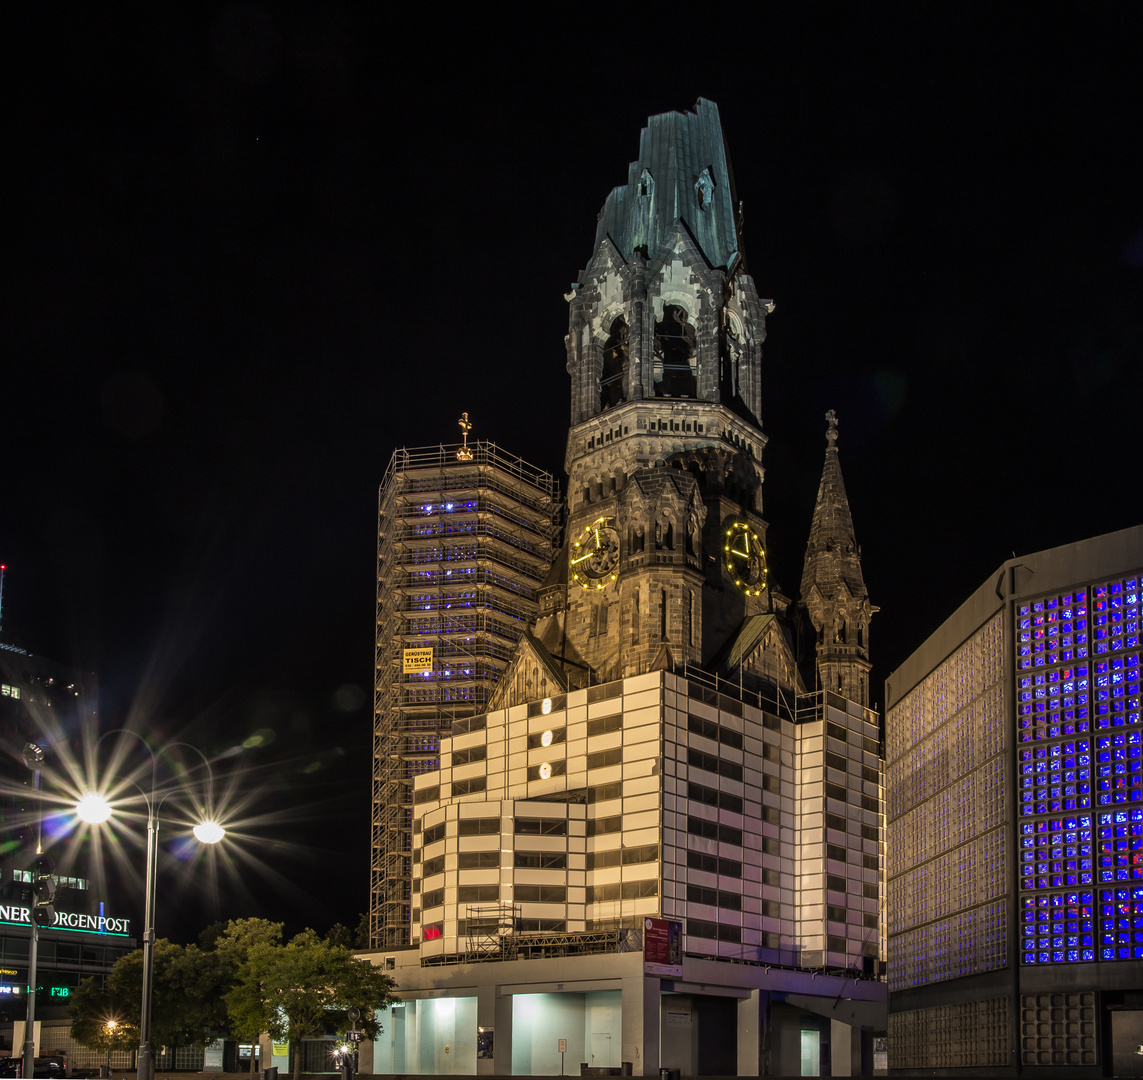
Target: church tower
(665, 559)
(834, 599)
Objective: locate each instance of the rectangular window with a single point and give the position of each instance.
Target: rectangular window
(477, 894)
(702, 929)
(541, 860)
(601, 826)
(542, 826)
(605, 792)
(540, 894)
(604, 724)
(469, 787)
(484, 826)
(643, 853)
(473, 753)
(602, 758)
(434, 834)
(478, 860)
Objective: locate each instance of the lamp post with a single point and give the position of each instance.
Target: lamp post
(95, 809)
(111, 1026)
(33, 759)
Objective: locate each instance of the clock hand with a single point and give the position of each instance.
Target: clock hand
(582, 558)
(744, 552)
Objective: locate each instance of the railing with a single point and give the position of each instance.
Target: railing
(483, 453)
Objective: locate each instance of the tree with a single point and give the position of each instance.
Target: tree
(232, 950)
(301, 990)
(188, 991)
(99, 1021)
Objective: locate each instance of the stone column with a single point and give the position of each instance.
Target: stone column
(641, 1024)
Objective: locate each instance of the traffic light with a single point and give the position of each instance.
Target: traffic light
(43, 890)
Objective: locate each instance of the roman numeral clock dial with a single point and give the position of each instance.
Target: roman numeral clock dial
(745, 558)
(594, 557)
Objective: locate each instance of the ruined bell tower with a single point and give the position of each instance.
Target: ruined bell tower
(665, 559)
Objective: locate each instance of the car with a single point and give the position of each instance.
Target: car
(45, 1068)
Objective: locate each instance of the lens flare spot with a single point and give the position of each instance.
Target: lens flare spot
(251, 742)
(312, 768)
(349, 698)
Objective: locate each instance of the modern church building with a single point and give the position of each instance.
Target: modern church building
(657, 842)
(1014, 746)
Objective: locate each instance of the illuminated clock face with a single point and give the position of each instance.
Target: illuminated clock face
(744, 558)
(594, 557)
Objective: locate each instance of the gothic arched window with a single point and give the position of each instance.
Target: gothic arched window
(612, 383)
(675, 355)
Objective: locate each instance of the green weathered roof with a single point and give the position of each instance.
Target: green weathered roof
(678, 154)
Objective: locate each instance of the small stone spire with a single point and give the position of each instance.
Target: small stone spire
(833, 593)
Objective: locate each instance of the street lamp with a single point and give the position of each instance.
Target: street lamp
(94, 809)
(34, 759)
(111, 1026)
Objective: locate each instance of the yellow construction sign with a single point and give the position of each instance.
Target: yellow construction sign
(417, 660)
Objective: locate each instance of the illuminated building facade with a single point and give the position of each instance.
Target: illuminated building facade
(464, 542)
(48, 704)
(1014, 747)
(660, 834)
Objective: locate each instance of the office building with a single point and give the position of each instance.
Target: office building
(49, 706)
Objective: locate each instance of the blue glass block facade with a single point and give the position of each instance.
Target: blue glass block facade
(1080, 774)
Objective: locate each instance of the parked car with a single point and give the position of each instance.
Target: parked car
(47, 1067)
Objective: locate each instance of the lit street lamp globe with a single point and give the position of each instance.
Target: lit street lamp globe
(94, 809)
(209, 832)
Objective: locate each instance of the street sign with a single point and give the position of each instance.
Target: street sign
(354, 1036)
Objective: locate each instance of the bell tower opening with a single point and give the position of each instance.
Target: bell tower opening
(675, 355)
(613, 381)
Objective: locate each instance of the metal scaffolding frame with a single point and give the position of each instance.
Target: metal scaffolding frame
(463, 546)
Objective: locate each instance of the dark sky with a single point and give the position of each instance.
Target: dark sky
(250, 250)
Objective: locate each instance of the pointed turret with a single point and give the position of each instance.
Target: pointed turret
(833, 595)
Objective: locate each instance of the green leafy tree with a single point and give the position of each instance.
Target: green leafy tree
(99, 1021)
(190, 983)
(340, 934)
(231, 950)
(303, 989)
(178, 1016)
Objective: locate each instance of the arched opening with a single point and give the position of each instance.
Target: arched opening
(675, 374)
(613, 381)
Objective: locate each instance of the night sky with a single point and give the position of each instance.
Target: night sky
(250, 250)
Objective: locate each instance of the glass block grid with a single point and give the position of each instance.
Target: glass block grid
(961, 944)
(1080, 766)
(1082, 926)
(1057, 1029)
(969, 1035)
(947, 843)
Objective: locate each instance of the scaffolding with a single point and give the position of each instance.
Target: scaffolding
(464, 542)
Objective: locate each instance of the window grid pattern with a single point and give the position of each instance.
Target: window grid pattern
(970, 1035)
(947, 850)
(1080, 762)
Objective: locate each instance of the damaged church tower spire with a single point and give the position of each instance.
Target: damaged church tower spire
(833, 594)
(666, 554)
